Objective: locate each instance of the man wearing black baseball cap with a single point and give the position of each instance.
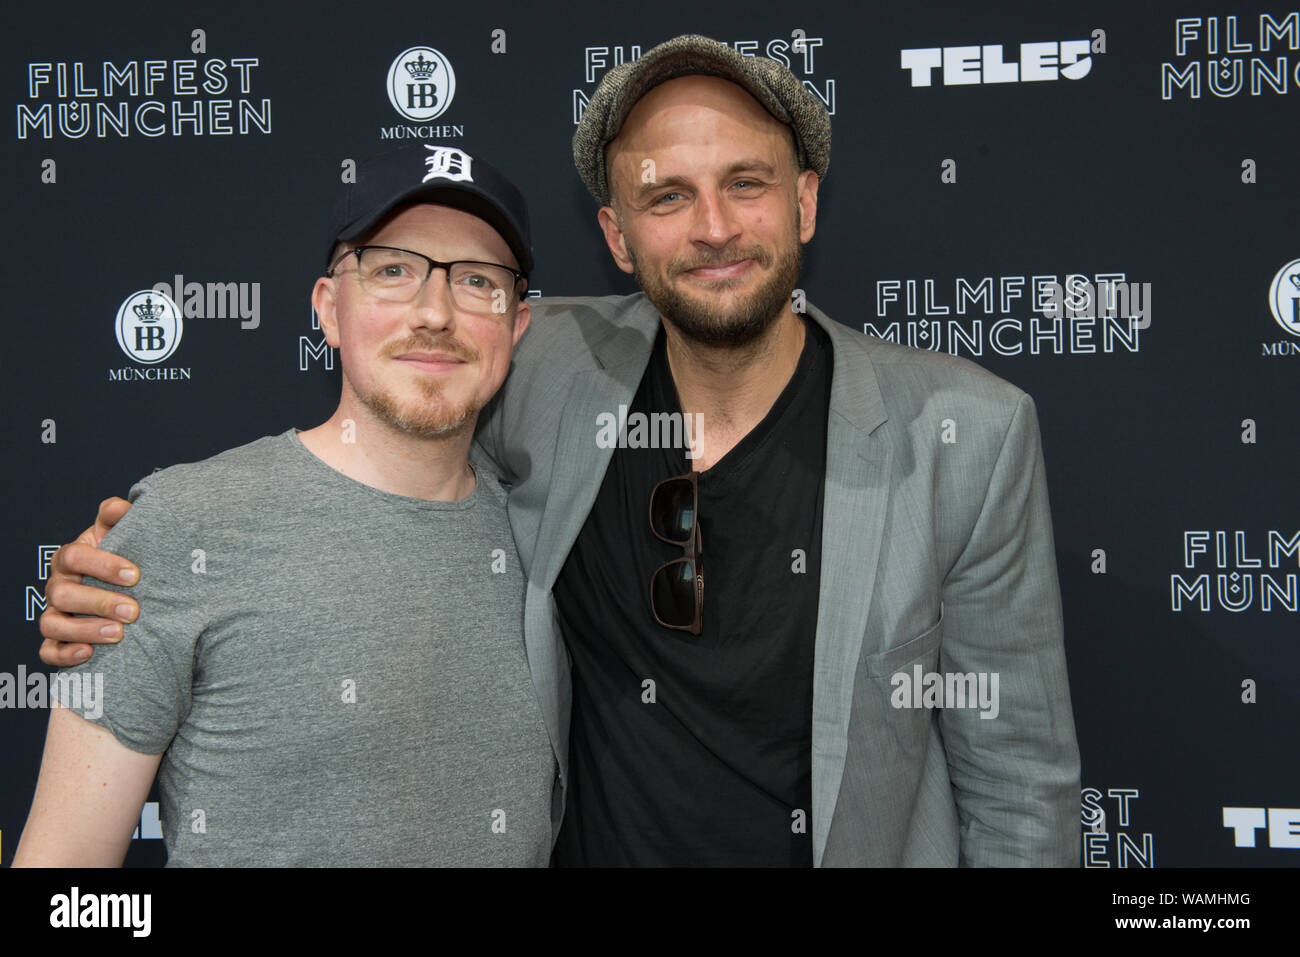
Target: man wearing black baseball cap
(328, 667)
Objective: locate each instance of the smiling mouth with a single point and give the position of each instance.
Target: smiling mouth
(430, 361)
(720, 271)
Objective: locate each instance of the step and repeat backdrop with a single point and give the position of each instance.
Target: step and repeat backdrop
(1097, 202)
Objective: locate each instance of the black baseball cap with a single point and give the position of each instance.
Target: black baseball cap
(432, 173)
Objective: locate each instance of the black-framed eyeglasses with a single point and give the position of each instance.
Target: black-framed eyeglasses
(398, 275)
(677, 587)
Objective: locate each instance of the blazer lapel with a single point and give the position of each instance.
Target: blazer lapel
(580, 463)
(575, 480)
(858, 466)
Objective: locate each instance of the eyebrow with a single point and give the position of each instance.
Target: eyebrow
(754, 165)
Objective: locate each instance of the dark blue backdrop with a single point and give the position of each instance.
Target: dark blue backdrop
(1182, 661)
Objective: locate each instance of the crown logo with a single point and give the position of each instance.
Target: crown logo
(147, 311)
(420, 68)
(1295, 279)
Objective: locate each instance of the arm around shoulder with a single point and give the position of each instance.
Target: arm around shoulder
(69, 638)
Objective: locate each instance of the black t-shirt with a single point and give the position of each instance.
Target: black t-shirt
(711, 763)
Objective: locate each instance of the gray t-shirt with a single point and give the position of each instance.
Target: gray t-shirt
(337, 674)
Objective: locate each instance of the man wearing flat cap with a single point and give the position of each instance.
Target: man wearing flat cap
(743, 616)
(875, 672)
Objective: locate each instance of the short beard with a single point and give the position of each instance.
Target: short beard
(431, 418)
(425, 421)
(704, 322)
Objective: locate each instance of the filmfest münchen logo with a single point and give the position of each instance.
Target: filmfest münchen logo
(1284, 297)
(421, 83)
(148, 326)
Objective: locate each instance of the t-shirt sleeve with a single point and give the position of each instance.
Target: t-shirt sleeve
(139, 688)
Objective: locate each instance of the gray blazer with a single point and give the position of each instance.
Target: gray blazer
(936, 552)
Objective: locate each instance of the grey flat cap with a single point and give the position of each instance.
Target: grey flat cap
(774, 86)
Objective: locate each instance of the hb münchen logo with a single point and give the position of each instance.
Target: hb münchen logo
(148, 326)
(421, 83)
(1284, 297)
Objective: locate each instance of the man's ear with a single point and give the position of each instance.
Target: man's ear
(609, 225)
(323, 301)
(523, 316)
(806, 190)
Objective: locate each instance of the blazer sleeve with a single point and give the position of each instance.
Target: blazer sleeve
(1015, 774)
(505, 410)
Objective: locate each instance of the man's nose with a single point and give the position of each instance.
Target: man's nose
(715, 220)
(433, 307)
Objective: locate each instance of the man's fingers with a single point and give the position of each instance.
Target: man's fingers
(68, 639)
(79, 558)
(64, 597)
(56, 626)
(58, 655)
(111, 511)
